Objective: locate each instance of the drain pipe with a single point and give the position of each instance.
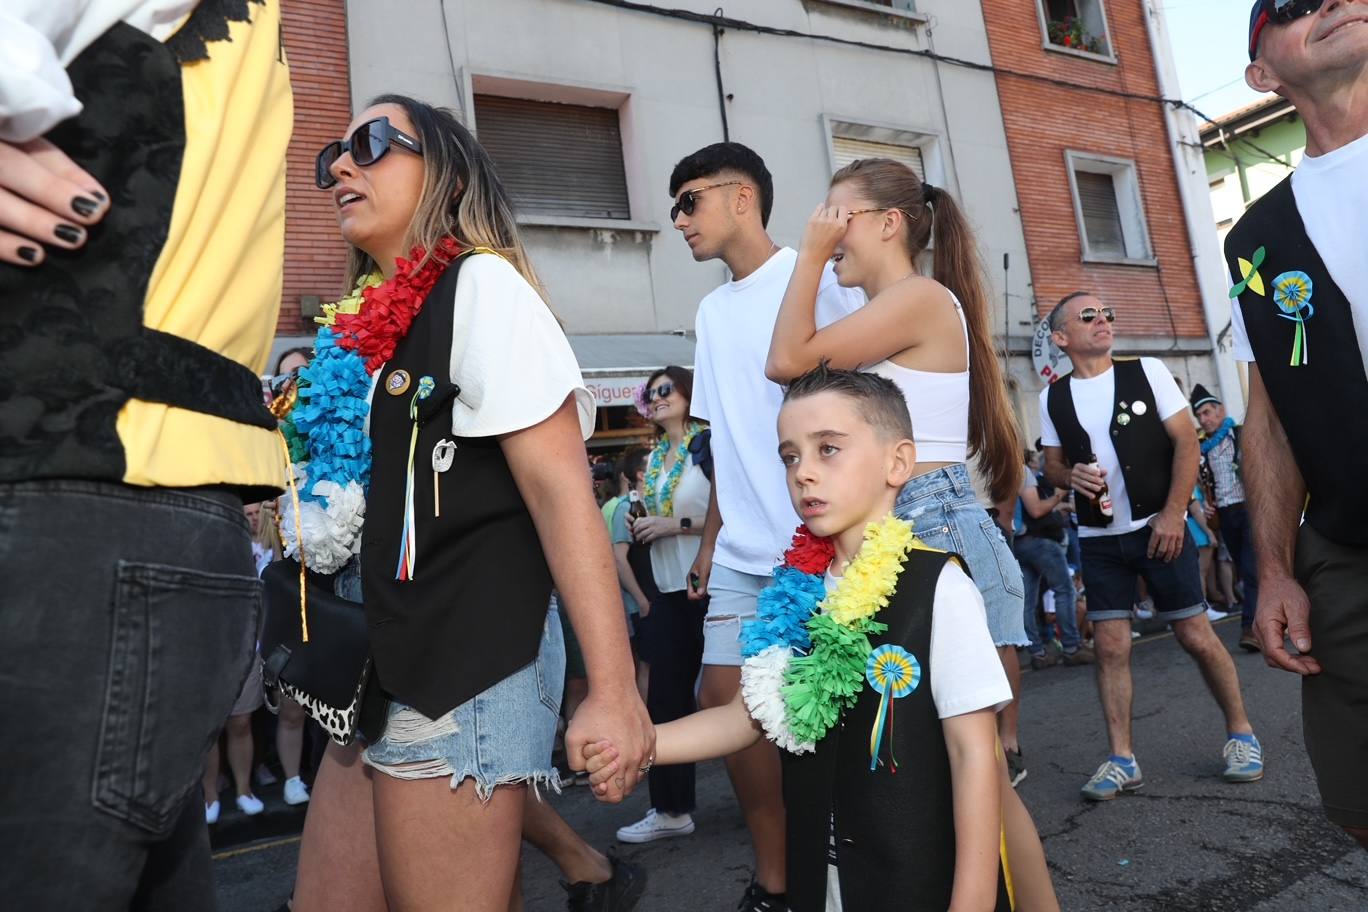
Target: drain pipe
(1213, 279)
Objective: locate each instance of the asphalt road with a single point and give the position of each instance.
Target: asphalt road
(1188, 841)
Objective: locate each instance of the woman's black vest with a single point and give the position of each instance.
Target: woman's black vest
(73, 347)
(895, 833)
(1319, 403)
(1141, 441)
(473, 613)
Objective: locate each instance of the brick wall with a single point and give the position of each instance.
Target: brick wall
(1043, 120)
(315, 257)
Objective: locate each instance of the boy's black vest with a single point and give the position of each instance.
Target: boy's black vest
(474, 611)
(1319, 403)
(1142, 443)
(895, 834)
(73, 347)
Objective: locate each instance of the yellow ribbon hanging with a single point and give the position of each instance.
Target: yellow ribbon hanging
(280, 407)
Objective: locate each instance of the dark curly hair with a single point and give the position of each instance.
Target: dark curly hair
(726, 156)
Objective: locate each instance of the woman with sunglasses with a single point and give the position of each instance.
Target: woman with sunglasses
(929, 334)
(477, 501)
(675, 493)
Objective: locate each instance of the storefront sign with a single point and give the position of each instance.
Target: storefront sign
(1050, 361)
(614, 390)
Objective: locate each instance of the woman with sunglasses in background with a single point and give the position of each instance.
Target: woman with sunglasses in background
(675, 493)
(477, 501)
(929, 334)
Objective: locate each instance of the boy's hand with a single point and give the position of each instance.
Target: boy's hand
(45, 199)
(601, 762)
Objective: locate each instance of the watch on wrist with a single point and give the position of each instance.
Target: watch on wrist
(685, 523)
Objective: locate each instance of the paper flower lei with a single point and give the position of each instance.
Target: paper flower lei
(806, 652)
(327, 425)
(662, 504)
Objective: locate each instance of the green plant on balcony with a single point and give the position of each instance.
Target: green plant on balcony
(1070, 33)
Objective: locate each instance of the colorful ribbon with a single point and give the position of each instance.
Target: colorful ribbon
(408, 537)
(894, 673)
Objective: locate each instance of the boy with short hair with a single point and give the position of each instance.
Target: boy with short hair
(869, 652)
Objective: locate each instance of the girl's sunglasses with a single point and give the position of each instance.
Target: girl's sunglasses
(660, 392)
(689, 199)
(1088, 314)
(368, 144)
(1279, 12)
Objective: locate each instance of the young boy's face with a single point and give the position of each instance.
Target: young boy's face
(842, 472)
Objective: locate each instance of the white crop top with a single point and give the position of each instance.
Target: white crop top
(938, 403)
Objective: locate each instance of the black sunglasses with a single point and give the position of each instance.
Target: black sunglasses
(1279, 12)
(660, 392)
(1088, 314)
(689, 199)
(367, 145)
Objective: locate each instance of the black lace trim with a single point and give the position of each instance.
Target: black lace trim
(209, 22)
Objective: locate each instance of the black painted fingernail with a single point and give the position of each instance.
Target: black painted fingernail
(98, 195)
(28, 253)
(69, 233)
(83, 206)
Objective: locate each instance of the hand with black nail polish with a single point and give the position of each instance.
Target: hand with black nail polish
(46, 200)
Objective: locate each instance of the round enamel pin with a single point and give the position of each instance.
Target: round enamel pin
(1139, 408)
(1123, 419)
(397, 383)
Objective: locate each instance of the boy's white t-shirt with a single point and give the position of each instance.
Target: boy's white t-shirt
(734, 325)
(1331, 191)
(1095, 403)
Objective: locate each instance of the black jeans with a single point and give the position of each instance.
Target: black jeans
(675, 629)
(128, 623)
(1239, 541)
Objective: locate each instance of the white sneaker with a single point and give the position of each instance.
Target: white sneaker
(250, 805)
(656, 826)
(1214, 615)
(296, 792)
(211, 812)
(264, 776)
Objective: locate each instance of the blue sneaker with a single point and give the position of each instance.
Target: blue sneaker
(1112, 778)
(1244, 759)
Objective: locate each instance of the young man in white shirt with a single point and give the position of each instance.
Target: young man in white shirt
(1308, 233)
(1119, 433)
(723, 195)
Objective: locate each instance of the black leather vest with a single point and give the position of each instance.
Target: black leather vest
(895, 834)
(73, 347)
(1319, 403)
(1142, 443)
(473, 613)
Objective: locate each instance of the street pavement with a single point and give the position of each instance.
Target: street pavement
(1188, 841)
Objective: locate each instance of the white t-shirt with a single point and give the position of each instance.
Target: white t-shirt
(673, 555)
(1094, 402)
(966, 673)
(734, 325)
(1331, 191)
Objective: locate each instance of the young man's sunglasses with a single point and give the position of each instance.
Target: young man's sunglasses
(367, 145)
(1089, 314)
(660, 392)
(1277, 12)
(689, 199)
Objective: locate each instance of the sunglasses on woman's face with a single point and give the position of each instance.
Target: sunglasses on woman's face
(1088, 314)
(689, 199)
(660, 392)
(368, 144)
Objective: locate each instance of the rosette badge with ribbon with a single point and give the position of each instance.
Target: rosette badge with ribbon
(894, 673)
(1292, 294)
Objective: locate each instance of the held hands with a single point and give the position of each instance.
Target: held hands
(1284, 613)
(646, 529)
(621, 720)
(45, 199)
(601, 761)
(1166, 542)
(824, 231)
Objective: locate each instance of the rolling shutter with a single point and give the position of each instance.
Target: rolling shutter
(846, 150)
(556, 159)
(1101, 216)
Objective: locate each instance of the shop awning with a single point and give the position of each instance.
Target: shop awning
(614, 365)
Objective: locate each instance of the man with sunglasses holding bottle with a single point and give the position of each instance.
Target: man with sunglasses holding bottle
(1300, 319)
(723, 194)
(1120, 430)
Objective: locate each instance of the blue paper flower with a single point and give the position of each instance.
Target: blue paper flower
(782, 612)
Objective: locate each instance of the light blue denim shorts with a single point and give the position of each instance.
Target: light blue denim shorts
(945, 514)
(731, 603)
(501, 736)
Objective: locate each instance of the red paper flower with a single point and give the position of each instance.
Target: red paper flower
(808, 553)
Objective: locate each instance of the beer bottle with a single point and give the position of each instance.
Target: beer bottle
(1102, 500)
(635, 507)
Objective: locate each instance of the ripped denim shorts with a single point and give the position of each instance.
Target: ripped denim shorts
(501, 736)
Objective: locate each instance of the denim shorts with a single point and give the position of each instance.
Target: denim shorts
(1113, 563)
(501, 736)
(945, 514)
(731, 603)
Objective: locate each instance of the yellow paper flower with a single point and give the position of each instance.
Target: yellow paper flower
(872, 576)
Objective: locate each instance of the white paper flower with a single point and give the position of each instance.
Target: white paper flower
(331, 528)
(762, 682)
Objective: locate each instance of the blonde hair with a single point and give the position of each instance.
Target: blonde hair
(462, 195)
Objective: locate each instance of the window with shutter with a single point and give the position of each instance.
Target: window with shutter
(1101, 215)
(846, 149)
(556, 159)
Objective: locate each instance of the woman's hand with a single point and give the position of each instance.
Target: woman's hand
(824, 231)
(45, 199)
(646, 529)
